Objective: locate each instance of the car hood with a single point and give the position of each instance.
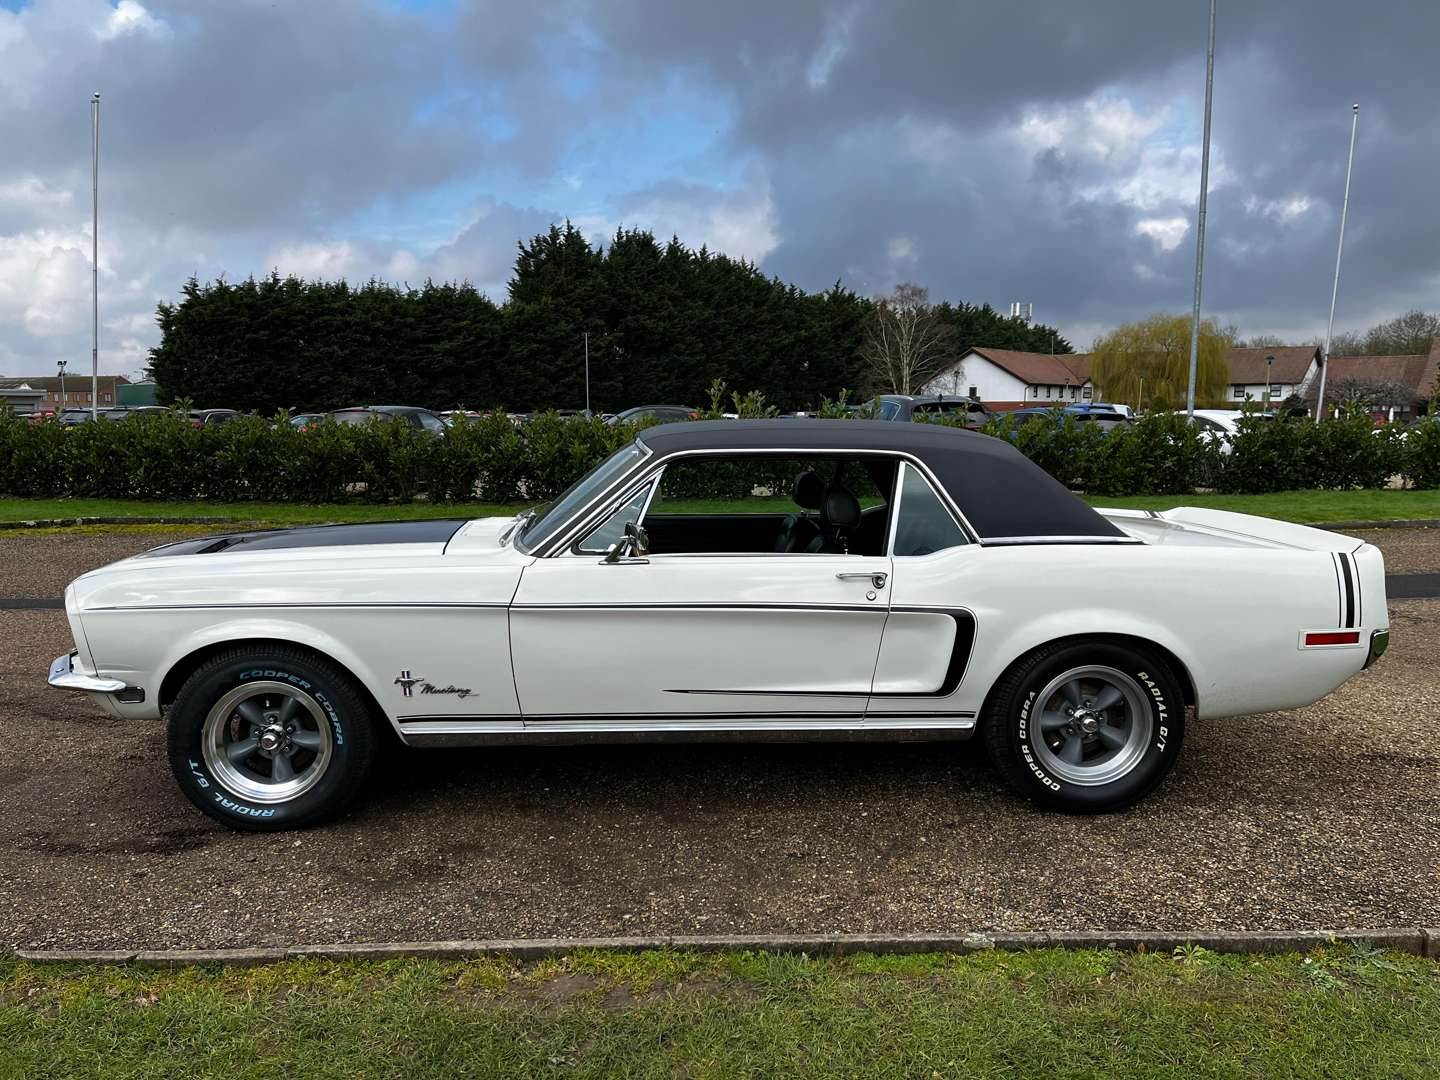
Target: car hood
(313, 536)
(309, 565)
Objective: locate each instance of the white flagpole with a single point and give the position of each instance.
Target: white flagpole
(1200, 219)
(94, 255)
(1339, 249)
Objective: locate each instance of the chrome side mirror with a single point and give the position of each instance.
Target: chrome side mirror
(630, 548)
(639, 539)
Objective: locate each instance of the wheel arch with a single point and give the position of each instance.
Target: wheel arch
(185, 666)
(1177, 666)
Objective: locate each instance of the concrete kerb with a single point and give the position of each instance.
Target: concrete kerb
(1413, 940)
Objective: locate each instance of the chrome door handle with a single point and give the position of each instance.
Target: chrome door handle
(877, 579)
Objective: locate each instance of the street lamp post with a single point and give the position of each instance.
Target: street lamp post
(95, 255)
(1339, 250)
(1268, 361)
(61, 365)
(587, 374)
(1200, 217)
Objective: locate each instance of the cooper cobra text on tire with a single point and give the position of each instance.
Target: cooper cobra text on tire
(1086, 727)
(271, 738)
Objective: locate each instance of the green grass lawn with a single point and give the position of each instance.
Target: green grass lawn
(286, 513)
(1300, 505)
(1288, 505)
(301, 514)
(1339, 1012)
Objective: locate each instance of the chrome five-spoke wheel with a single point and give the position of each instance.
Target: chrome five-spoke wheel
(1094, 725)
(267, 742)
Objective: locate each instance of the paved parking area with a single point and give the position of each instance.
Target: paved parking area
(1324, 816)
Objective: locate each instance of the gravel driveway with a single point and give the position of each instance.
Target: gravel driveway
(1324, 816)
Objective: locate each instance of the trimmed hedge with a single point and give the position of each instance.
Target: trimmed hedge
(1164, 454)
(162, 457)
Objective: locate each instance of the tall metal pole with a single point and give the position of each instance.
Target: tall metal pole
(1200, 222)
(95, 255)
(1339, 249)
(587, 373)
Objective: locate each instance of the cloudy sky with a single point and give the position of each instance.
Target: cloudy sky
(994, 151)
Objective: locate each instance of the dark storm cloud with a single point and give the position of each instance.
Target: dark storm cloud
(234, 115)
(822, 89)
(993, 151)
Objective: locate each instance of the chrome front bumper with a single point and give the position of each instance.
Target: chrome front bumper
(63, 676)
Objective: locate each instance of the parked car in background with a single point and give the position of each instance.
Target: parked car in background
(1103, 407)
(917, 582)
(905, 407)
(652, 414)
(1103, 419)
(211, 417)
(404, 414)
(125, 412)
(1222, 425)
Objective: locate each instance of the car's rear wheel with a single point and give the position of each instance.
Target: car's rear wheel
(268, 739)
(1086, 727)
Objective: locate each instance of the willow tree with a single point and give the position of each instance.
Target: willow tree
(1147, 364)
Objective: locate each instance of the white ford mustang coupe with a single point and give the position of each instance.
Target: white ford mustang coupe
(918, 582)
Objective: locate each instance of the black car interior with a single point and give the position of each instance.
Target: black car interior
(830, 520)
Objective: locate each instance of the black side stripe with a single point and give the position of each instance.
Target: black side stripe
(1349, 620)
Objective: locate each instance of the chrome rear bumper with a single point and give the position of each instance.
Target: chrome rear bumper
(63, 676)
(1379, 642)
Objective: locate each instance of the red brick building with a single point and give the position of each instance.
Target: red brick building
(77, 390)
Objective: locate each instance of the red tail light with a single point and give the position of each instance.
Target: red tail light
(1332, 637)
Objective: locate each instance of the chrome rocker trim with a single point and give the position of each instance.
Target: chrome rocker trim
(63, 676)
(498, 731)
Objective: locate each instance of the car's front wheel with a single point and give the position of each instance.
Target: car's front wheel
(269, 739)
(1086, 727)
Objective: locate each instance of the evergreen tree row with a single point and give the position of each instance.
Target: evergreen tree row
(663, 322)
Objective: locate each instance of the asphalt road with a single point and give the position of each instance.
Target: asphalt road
(1324, 816)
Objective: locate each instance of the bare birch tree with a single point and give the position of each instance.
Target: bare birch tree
(906, 341)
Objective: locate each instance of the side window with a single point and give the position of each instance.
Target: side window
(431, 422)
(924, 525)
(762, 484)
(613, 527)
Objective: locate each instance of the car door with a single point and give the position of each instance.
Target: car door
(698, 637)
(930, 632)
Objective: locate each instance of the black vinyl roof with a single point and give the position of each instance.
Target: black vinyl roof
(999, 490)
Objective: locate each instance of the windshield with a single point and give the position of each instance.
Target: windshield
(554, 514)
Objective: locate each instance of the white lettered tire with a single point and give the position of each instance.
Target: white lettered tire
(1086, 726)
(270, 738)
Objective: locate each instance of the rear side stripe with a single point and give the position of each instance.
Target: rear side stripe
(1349, 619)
